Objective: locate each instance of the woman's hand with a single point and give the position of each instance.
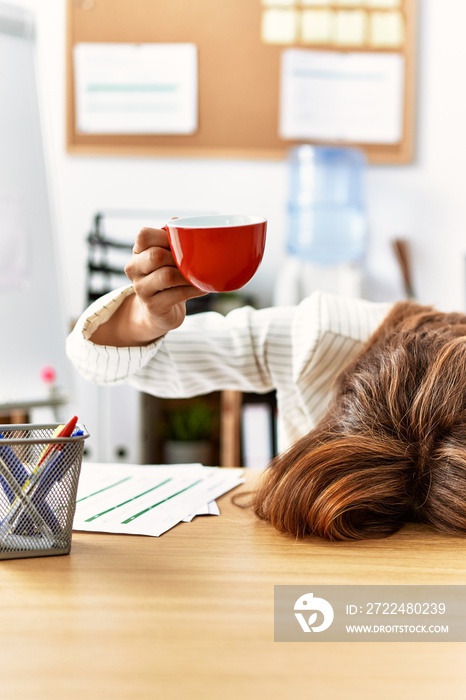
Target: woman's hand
(161, 292)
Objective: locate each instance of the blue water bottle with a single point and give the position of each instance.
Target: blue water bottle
(327, 213)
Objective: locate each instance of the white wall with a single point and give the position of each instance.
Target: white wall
(423, 201)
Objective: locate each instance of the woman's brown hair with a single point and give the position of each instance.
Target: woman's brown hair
(392, 446)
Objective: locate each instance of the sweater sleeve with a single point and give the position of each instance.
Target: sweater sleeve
(328, 332)
(296, 350)
(248, 350)
(103, 364)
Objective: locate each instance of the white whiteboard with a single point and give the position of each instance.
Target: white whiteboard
(32, 328)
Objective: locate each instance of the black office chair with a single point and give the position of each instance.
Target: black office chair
(105, 261)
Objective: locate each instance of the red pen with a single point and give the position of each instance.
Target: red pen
(66, 431)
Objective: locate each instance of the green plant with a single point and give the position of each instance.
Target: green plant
(195, 421)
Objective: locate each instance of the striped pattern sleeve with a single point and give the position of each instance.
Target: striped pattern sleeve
(296, 350)
(321, 353)
(248, 350)
(100, 363)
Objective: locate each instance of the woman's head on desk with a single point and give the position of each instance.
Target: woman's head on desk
(391, 449)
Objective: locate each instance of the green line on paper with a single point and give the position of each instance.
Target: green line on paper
(141, 512)
(119, 505)
(110, 486)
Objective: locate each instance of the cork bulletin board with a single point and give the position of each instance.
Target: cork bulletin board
(240, 44)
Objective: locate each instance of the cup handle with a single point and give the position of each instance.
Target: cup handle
(172, 218)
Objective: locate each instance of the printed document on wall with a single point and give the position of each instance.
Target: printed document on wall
(356, 97)
(136, 88)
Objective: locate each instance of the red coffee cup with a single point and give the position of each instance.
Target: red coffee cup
(217, 252)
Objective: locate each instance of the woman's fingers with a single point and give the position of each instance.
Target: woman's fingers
(148, 261)
(149, 237)
(152, 254)
(160, 287)
(164, 302)
(158, 280)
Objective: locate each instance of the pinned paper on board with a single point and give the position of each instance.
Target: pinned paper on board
(352, 97)
(136, 88)
(346, 23)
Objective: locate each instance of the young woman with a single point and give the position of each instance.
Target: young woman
(371, 397)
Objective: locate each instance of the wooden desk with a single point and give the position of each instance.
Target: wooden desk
(190, 615)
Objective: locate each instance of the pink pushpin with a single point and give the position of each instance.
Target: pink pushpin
(48, 375)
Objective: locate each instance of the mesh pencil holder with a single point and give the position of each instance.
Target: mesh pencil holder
(39, 476)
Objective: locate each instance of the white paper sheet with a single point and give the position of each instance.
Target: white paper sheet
(149, 499)
(356, 97)
(207, 509)
(136, 88)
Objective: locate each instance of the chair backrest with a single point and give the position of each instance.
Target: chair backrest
(106, 260)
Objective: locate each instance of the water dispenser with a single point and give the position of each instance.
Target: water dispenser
(327, 223)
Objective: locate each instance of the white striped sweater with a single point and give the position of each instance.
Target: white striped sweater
(296, 350)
